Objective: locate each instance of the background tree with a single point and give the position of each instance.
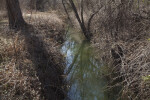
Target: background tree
(80, 9)
(2, 4)
(14, 14)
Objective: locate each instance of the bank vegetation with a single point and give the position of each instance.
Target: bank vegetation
(118, 29)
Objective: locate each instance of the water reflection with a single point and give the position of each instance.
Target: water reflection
(83, 71)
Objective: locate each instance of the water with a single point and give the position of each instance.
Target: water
(84, 74)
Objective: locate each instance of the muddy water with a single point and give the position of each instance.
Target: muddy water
(84, 74)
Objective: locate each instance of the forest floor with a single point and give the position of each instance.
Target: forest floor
(31, 65)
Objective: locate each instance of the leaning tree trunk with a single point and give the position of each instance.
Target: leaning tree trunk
(14, 14)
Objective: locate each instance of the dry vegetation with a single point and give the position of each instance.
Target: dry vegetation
(30, 62)
(17, 71)
(124, 27)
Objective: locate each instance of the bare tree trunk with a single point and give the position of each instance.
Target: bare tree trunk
(82, 18)
(82, 25)
(2, 6)
(32, 4)
(39, 5)
(63, 2)
(14, 14)
(54, 4)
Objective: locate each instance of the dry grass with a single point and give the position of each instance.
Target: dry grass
(130, 31)
(134, 67)
(16, 72)
(24, 56)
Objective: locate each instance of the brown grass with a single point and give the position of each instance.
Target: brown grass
(130, 31)
(30, 62)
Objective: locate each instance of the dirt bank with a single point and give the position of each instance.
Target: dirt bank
(30, 61)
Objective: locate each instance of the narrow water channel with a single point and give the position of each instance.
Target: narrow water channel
(84, 74)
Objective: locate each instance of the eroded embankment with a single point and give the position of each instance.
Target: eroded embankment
(30, 61)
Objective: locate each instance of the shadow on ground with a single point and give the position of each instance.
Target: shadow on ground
(47, 70)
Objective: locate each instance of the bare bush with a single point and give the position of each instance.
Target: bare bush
(125, 23)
